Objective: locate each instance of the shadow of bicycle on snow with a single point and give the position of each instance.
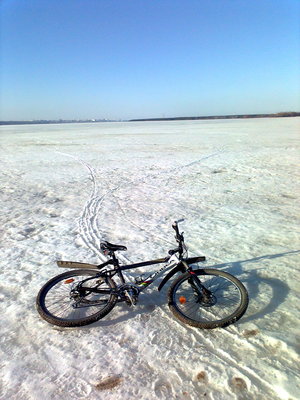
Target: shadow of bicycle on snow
(256, 282)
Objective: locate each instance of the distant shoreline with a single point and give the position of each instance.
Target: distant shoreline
(242, 116)
(91, 121)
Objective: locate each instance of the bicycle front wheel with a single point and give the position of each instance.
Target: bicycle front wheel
(66, 300)
(208, 299)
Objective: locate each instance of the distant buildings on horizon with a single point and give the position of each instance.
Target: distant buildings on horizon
(56, 121)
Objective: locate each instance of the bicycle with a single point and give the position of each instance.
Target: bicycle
(204, 298)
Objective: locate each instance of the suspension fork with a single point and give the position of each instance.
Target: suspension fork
(195, 282)
(197, 286)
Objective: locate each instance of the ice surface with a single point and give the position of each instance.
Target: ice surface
(66, 187)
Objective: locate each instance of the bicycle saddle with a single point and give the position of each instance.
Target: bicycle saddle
(112, 247)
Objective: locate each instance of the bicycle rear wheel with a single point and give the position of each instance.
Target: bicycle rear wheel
(220, 300)
(59, 301)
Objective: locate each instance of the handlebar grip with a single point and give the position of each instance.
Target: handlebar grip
(175, 224)
(175, 227)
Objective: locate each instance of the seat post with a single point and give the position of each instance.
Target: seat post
(115, 260)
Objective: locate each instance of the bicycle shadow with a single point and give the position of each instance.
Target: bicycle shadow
(252, 281)
(144, 308)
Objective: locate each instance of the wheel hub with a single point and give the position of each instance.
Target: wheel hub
(207, 301)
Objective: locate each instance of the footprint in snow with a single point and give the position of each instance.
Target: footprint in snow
(163, 389)
(238, 384)
(201, 377)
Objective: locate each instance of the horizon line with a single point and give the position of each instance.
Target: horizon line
(204, 117)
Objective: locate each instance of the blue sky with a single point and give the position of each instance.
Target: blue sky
(122, 59)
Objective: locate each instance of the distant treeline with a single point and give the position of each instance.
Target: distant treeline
(277, 115)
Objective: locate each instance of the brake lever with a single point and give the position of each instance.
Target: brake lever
(174, 251)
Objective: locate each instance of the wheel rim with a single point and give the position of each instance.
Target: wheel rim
(63, 301)
(224, 300)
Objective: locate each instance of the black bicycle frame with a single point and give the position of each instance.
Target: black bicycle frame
(145, 282)
(180, 265)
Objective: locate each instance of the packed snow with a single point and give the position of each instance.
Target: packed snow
(66, 187)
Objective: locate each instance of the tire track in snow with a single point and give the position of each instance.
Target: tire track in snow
(86, 222)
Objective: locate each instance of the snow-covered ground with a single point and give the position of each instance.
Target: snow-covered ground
(64, 187)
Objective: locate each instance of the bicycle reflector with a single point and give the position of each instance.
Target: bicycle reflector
(182, 300)
(69, 281)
